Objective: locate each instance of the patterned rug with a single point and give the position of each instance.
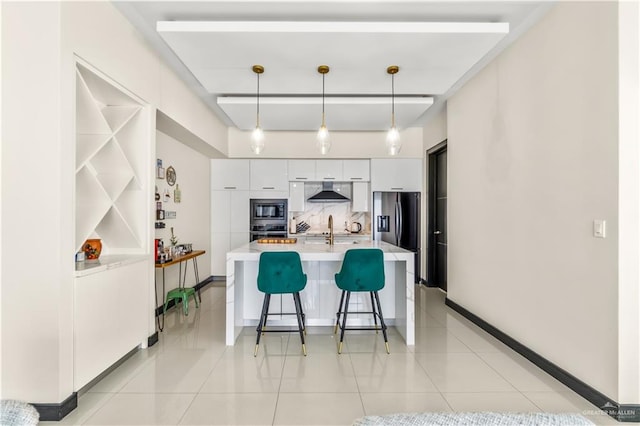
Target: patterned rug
(474, 419)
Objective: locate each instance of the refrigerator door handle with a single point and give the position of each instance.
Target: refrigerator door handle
(398, 223)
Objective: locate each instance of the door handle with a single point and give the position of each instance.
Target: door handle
(437, 232)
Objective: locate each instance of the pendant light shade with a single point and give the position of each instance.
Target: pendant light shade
(393, 137)
(323, 140)
(257, 136)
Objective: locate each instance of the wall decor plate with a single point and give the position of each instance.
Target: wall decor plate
(171, 175)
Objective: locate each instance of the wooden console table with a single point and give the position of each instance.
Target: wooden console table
(182, 277)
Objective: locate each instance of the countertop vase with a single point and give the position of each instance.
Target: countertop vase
(92, 248)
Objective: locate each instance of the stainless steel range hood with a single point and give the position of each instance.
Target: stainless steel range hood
(328, 195)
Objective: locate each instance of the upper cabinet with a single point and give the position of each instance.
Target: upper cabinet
(269, 175)
(113, 177)
(401, 174)
(356, 170)
(330, 170)
(302, 170)
(229, 174)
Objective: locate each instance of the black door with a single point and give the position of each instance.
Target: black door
(437, 274)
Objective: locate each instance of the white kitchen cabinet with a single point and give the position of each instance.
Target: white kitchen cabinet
(330, 170)
(356, 170)
(229, 174)
(360, 197)
(269, 175)
(296, 197)
(229, 224)
(401, 174)
(220, 243)
(110, 311)
(301, 170)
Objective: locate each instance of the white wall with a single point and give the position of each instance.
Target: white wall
(629, 204)
(533, 153)
(193, 216)
(343, 145)
(35, 350)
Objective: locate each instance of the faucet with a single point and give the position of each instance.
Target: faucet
(330, 237)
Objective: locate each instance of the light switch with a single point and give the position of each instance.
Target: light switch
(599, 228)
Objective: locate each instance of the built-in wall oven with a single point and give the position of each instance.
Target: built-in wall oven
(268, 218)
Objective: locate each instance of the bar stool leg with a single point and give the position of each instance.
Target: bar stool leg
(382, 323)
(373, 308)
(263, 317)
(344, 320)
(335, 329)
(299, 314)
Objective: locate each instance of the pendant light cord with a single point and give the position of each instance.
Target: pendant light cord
(323, 99)
(258, 102)
(393, 101)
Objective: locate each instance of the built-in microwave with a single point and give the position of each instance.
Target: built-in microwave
(268, 210)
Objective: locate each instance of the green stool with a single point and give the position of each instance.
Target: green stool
(362, 271)
(181, 294)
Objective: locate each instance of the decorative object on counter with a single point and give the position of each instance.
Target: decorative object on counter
(159, 214)
(323, 140)
(293, 227)
(158, 205)
(92, 249)
(393, 137)
(168, 214)
(157, 194)
(277, 240)
(184, 248)
(80, 256)
(177, 194)
(159, 170)
(257, 137)
(167, 196)
(158, 248)
(356, 227)
(160, 225)
(173, 240)
(171, 176)
(302, 226)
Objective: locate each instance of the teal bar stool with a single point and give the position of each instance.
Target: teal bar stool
(362, 271)
(280, 272)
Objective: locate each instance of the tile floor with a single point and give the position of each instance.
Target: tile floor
(191, 377)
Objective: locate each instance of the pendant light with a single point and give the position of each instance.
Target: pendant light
(393, 137)
(323, 141)
(257, 137)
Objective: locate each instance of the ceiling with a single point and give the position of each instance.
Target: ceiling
(438, 45)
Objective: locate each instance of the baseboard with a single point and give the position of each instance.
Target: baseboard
(152, 340)
(56, 412)
(622, 413)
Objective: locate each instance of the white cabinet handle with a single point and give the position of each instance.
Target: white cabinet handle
(397, 188)
(300, 178)
(268, 187)
(356, 178)
(229, 187)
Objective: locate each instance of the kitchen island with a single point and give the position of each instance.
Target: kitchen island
(321, 296)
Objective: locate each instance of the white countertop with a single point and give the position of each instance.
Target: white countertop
(105, 262)
(319, 251)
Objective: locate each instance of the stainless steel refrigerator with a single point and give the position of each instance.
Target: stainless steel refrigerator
(397, 221)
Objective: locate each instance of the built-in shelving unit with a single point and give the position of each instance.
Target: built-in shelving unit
(112, 165)
(113, 176)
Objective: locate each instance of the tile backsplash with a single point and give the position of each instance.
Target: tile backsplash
(317, 214)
